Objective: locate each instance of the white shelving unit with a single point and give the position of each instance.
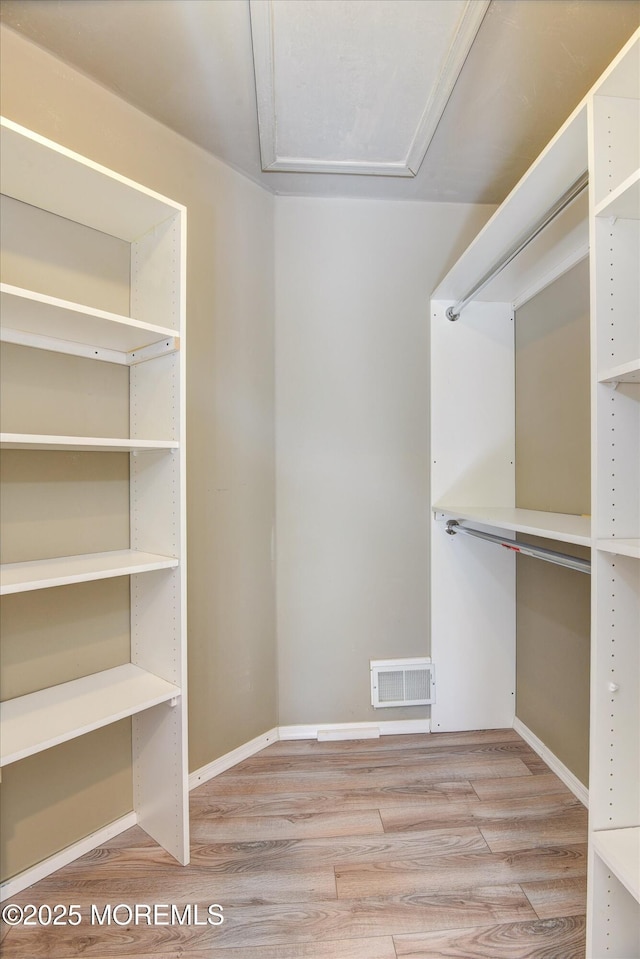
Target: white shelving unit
(473, 470)
(151, 688)
(614, 808)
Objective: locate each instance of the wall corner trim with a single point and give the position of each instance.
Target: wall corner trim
(572, 782)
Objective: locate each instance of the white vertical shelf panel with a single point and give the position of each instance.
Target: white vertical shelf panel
(472, 406)
(160, 783)
(158, 515)
(616, 291)
(618, 461)
(473, 584)
(155, 397)
(613, 912)
(618, 122)
(613, 930)
(473, 632)
(614, 791)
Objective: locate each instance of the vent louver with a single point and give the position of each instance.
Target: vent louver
(402, 682)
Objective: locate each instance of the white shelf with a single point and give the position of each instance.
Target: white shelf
(621, 547)
(558, 167)
(47, 322)
(624, 201)
(564, 527)
(47, 175)
(619, 849)
(40, 720)
(63, 570)
(623, 373)
(88, 444)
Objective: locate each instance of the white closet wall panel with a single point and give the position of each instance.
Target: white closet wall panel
(473, 583)
(472, 415)
(472, 632)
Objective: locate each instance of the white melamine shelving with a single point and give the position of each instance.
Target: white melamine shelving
(51, 716)
(64, 570)
(619, 849)
(621, 547)
(150, 343)
(624, 201)
(87, 444)
(49, 323)
(623, 373)
(473, 463)
(564, 527)
(613, 909)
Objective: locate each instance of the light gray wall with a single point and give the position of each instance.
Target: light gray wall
(552, 473)
(353, 280)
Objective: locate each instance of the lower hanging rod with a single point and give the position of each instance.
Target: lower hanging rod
(548, 555)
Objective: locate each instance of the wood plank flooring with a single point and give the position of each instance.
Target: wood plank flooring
(456, 845)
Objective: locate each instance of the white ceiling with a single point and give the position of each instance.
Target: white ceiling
(351, 81)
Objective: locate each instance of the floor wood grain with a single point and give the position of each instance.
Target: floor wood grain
(415, 876)
(556, 897)
(487, 814)
(557, 939)
(425, 846)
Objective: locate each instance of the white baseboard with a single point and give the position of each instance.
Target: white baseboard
(35, 873)
(325, 731)
(572, 782)
(220, 765)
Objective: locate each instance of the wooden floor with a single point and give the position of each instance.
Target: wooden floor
(444, 845)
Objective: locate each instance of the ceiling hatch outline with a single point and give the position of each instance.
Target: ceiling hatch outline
(263, 41)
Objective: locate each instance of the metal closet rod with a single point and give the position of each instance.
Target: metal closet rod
(574, 191)
(548, 555)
